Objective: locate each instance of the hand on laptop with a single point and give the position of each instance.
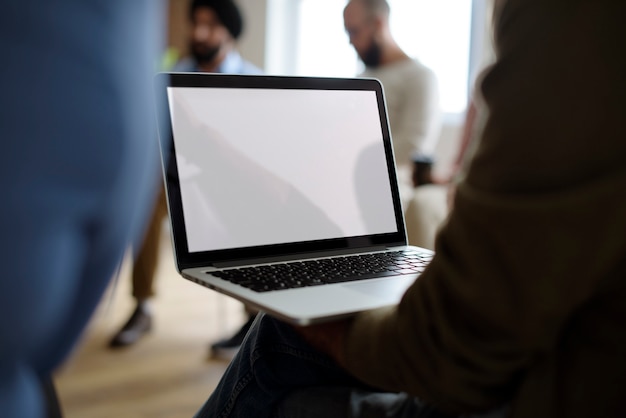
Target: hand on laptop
(327, 337)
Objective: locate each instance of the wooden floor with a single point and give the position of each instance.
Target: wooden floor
(168, 373)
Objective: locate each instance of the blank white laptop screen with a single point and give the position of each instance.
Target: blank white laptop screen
(273, 166)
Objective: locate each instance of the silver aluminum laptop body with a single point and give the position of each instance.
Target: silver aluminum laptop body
(268, 170)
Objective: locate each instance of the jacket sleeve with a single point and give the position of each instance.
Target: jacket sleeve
(541, 188)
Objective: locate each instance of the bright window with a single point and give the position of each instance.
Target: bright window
(437, 32)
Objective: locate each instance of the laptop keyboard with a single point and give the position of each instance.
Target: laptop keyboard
(291, 275)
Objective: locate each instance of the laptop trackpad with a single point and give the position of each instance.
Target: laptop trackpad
(388, 289)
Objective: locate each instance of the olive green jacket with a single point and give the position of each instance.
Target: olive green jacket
(525, 300)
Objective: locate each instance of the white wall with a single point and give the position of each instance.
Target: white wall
(252, 41)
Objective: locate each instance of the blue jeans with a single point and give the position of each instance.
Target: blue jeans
(276, 374)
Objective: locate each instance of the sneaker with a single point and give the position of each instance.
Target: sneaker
(139, 324)
(227, 348)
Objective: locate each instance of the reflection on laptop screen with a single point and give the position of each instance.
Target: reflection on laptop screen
(271, 166)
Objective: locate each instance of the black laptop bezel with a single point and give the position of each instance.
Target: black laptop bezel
(186, 259)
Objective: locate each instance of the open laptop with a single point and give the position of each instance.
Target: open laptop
(282, 191)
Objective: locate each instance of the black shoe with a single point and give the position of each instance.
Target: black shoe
(227, 348)
(136, 327)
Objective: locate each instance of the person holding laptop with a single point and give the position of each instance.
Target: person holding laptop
(521, 311)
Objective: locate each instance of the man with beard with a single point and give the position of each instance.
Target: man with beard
(215, 27)
(411, 89)
(412, 94)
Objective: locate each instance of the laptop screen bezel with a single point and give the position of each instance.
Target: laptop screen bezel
(185, 258)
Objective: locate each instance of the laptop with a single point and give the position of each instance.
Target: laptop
(282, 192)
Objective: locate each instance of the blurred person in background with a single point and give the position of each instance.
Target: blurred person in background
(77, 173)
(411, 89)
(215, 27)
(415, 117)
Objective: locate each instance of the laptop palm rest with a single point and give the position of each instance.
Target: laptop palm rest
(388, 289)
